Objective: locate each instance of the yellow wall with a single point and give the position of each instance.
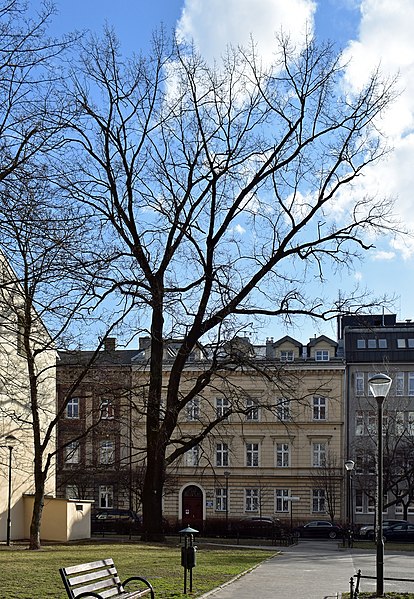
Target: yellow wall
(61, 520)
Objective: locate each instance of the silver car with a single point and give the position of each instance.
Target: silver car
(368, 530)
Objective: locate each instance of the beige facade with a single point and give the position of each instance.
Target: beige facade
(16, 430)
(257, 461)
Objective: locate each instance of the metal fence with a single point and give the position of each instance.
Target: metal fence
(354, 586)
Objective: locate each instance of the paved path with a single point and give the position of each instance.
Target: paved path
(315, 570)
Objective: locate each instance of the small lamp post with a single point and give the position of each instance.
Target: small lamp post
(292, 499)
(379, 385)
(349, 467)
(10, 443)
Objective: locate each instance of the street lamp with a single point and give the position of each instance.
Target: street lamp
(226, 475)
(10, 443)
(349, 467)
(379, 385)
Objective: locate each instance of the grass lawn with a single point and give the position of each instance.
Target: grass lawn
(35, 574)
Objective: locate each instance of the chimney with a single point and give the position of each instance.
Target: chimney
(110, 344)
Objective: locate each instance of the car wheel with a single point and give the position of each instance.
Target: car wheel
(332, 534)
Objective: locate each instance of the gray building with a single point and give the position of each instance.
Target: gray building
(372, 344)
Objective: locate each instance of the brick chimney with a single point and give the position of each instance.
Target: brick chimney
(110, 344)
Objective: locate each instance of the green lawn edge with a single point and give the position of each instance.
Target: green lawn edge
(35, 574)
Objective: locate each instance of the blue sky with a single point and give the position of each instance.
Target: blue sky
(370, 32)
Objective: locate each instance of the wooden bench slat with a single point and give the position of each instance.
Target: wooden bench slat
(101, 577)
(102, 563)
(108, 572)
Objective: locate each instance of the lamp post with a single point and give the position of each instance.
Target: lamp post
(226, 475)
(10, 443)
(349, 467)
(379, 385)
(292, 499)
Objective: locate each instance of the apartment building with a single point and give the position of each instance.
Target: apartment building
(16, 429)
(279, 453)
(372, 344)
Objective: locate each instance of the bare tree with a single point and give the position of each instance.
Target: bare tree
(328, 479)
(217, 189)
(397, 455)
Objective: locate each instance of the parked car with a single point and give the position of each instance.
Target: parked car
(368, 530)
(259, 526)
(115, 520)
(319, 528)
(401, 532)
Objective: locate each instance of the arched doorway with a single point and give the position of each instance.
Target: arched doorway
(192, 510)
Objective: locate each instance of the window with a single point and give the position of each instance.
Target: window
(410, 343)
(359, 383)
(411, 383)
(252, 409)
(318, 454)
(252, 455)
(222, 406)
(322, 355)
(283, 410)
(410, 423)
(382, 343)
(106, 496)
(72, 492)
(193, 456)
(401, 343)
(282, 505)
(106, 452)
(399, 383)
(222, 454)
(221, 500)
(319, 408)
(252, 500)
(72, 453)
(370, 505)
(359, 423)
(372, 344)
(359, 502)
(371, 423)
(361, 344)
(282, 455)
(72, 408)
(107, 409)
(318, 501)
(399, 423)
(193, 409)
(287, 355)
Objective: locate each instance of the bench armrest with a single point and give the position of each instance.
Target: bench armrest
(141, 579)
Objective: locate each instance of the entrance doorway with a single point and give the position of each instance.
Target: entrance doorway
(192, 512)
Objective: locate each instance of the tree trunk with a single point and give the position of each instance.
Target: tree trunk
(39, 500)
(152, 496)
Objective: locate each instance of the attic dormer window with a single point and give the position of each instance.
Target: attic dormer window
(322, 355)
(287, 355)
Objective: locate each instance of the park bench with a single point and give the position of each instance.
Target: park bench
(100, 580)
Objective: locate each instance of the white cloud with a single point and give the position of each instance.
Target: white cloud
(239, 229)
(213, 24)
(382, 255)
(358, 276)
(386, 39)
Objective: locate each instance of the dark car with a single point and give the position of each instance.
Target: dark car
(115, 520)
(368, 530)
(319, 528)
(258, 526)
(402, 532)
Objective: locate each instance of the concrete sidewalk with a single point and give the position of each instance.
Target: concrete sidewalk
(313, 570)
